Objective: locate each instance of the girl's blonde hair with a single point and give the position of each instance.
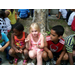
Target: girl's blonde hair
(35, 26)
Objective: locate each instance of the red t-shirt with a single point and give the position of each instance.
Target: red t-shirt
(55, 47)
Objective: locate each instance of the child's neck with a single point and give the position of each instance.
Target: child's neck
(55, 42)
(20, 36)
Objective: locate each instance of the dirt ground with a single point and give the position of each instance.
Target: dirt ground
(51, 23)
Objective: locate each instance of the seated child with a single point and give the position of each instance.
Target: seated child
(63, 13)
(5, 25)
(4, 47)
(68, 14)
(71, 18)
(54, 46)
(18, 44)
(36, 43)
(70, 47)
(23, 13)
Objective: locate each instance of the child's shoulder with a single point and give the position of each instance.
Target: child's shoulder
(62, 41)
(48, 38)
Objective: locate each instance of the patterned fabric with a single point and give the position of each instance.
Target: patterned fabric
(69, 43)
(3, 26)
(20, 42)
(55, 47)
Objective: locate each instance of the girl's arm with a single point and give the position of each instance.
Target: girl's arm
(12, 42)
(27, 40)
(42, 42)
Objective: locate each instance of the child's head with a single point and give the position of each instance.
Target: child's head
(34, 26)
(2, 14)
(34, 29)
(57, 32)
(18, 29)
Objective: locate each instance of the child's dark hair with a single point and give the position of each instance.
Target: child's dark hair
(2, 14)
(18, 26)
(59, 30)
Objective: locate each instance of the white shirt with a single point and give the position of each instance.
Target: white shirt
(5, 25)
(63, 12)
(71, 17)
(8, 23)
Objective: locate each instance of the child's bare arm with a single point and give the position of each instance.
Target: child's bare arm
(27, 41)
(42, 42)
(12, 42)
(61, 55)
(5, 46)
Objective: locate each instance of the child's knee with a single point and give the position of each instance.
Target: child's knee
(65, 57)
(31, 55)
(25, 51)
(44, 55)
(11, 51)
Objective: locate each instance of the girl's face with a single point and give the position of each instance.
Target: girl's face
(16, 32)
(54, 36)
(34, 33)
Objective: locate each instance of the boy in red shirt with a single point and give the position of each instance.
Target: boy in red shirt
(54, 46)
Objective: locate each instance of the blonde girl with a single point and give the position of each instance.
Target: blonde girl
(36, 43)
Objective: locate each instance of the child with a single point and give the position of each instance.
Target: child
(18, 44)
(10, 13)
(71, 17)
(54, 46)
(4, 47)
(63, 13)
(70, 47)
(5, 25)
(68, 14)
(36, 43)
(23, 13)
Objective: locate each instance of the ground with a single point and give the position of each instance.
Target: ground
(52, 21)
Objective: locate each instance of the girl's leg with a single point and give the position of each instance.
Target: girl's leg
(26, 57)
(45, 56)
(12, 53)
(32, 54)
(65, 57)
(39, 57)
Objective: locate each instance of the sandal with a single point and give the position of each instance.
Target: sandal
(15, 61)
(25, 62)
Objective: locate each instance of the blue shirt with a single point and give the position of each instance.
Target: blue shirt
(23, 13)
(4, 39)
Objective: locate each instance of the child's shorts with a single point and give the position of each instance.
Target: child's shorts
(56, 55)
(7, 53)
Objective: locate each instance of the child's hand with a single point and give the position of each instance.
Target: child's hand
(26, 40)
(17, 51)
(37, 46)
(58, 61)
(20, 51)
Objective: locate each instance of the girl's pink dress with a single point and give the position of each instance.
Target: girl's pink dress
(34, 44)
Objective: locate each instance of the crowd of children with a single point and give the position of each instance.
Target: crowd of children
(34, 46)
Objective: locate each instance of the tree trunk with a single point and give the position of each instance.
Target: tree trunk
(40, 17)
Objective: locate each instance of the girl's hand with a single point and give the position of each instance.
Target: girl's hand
(37, 46)
(17, 51)
(26, 40)
(20, 51)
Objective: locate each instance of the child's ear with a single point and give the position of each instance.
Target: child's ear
(60, 37)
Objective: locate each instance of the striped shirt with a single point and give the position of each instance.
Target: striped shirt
(69, 43)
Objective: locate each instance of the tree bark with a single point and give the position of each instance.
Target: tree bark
(40, 17)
